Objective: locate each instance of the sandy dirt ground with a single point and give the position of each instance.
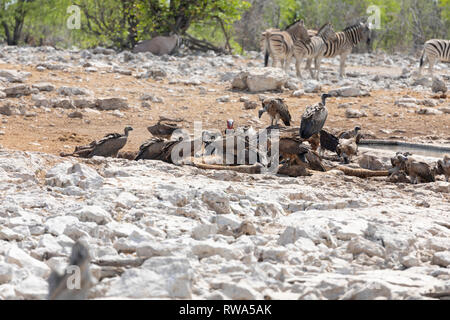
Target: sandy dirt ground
(52, 132)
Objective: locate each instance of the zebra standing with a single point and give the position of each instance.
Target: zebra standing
(342, 44)
(434, 50)
(307, 46)
(278, 44)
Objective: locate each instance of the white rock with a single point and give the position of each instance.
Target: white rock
(360, 245)
(32, 288)
(57, 225)
(347, 92)
(207, 248)
(93, 214)
(6, 272)
(441, 259)
(228, 220)
(353, 113)
(239, 291)
(154, 248)
(298, 93)
(217, 201)
(202, 231)
(177, 272)
(312, 86)
(126, 200)
(43, 86)
(7, 292)
(65, 174)
(139, 284)
(10, 235)
(22, 259)
(14, 76)
(369, 291)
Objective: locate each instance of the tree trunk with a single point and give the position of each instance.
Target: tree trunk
(7, 33)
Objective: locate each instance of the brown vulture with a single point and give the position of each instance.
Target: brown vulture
(108, 146)
(443, 167)
(349, 134)
(163, 129)
(277, 109)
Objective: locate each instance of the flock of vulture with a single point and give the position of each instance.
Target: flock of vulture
(295, 157)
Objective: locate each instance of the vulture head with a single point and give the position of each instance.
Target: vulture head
(324, 97)
(128, 129)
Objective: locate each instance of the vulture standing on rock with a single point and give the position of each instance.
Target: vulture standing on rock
(314, 118)
(277, 109)
(110, 145)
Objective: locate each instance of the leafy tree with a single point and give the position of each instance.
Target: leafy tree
(12, 18)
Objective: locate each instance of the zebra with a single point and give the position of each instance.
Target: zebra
(278, 44)
(342, 44)
(308, 43)
(434, 50)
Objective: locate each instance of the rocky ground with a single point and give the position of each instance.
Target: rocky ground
(157, 230)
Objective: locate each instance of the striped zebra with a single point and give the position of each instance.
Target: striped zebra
(278, 44)
(342, 44)
(435, 50)
(306, 44)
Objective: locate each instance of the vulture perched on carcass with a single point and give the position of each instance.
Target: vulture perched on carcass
(313, 119)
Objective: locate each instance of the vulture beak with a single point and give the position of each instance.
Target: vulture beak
(260, 113)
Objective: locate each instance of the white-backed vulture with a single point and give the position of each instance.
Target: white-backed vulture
(419, 172)
(349, 134)
(163, 129)
(277, 109)
(347, 148)
(108, 146)
(160, 149)
(314, 118)
(111, 144)
(443, 167)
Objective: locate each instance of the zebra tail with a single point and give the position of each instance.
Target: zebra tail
(422, 59)
(267, 48)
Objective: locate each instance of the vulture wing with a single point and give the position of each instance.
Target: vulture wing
(151, 149)
(162, 129)
(312, 121)
(425, 173)
(109, 146)
(315, 162)
(284, 112)
(328, 141)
